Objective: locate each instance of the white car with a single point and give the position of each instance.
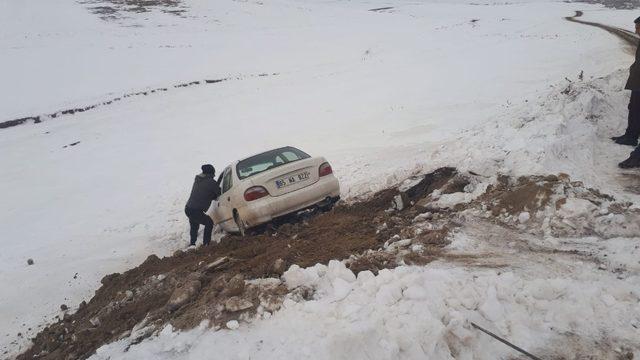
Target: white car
(272, 184)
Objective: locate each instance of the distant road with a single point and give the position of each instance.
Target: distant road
(630, 38)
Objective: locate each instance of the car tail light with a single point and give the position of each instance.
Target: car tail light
(325, 169)
(255, 192)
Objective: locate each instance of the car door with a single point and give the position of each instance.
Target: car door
(224, 210)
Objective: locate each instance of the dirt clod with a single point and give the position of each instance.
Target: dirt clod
(183, 294)
(279, 267)
(235, 304)
(235, 286)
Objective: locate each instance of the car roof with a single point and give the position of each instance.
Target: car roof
(262, 152)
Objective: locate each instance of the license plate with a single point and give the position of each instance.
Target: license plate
(293, 179)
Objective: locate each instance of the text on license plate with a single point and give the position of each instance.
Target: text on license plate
(293, 179)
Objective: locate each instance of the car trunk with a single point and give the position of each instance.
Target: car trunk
(289, 177)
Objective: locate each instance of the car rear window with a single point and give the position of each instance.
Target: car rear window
(268, 160)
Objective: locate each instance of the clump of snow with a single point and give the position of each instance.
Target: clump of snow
(422, 217)
(476, 187)
(334, 278)
(524, 217)
(418, 312)
(577, 208)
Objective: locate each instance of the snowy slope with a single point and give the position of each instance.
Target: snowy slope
(556, 296)
(374, 92)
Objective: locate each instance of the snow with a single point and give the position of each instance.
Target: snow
(232, 324)
(423, 312)
(381, 95)
(523, 217)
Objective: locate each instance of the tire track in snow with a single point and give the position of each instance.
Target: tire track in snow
(35, 119)
(628, 37)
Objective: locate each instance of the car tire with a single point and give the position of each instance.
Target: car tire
(242, 229)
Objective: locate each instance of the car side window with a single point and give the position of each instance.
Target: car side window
(227, 181)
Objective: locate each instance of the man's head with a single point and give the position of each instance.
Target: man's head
(208, 169)
(637, 22)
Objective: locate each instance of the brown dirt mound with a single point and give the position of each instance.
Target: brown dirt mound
(527, 194)
(208, 283)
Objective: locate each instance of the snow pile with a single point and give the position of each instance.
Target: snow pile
(421, 312)
(554, 206)
(475, 187)
(564, 131)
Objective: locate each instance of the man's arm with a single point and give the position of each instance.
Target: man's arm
(215, 191)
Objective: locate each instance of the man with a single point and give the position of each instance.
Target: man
(630, 136)
(205, 189)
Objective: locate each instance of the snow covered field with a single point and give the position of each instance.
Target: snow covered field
(379, 93)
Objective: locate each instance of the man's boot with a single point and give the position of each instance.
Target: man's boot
(633, 161)
(625, 140)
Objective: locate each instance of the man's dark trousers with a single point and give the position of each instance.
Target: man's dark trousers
(633, 126)
(197, 217)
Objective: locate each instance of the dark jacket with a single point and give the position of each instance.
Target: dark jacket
(633, 83)
(205, 189)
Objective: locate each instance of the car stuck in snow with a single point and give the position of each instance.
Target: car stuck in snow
(273, 184)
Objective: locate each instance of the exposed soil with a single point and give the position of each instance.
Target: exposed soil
(209, 283)
(110, 10)
(526, 194)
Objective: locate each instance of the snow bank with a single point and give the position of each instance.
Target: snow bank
(564, 131)
(415, 313)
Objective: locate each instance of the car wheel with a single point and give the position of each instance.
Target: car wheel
(239, 223)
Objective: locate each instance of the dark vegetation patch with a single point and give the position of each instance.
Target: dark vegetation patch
(71, 111)
(382, 9)
(112, 10)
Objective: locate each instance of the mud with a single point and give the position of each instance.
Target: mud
(555, 206)
(209, 283)
(527, 194)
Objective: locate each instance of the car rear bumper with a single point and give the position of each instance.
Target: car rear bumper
(269, 208)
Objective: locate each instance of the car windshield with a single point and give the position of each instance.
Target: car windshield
(268, 160)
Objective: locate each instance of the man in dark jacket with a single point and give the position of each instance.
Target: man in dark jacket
(205, 190)
(630, 136)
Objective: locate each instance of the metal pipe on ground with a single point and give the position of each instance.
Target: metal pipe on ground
(519, 349)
